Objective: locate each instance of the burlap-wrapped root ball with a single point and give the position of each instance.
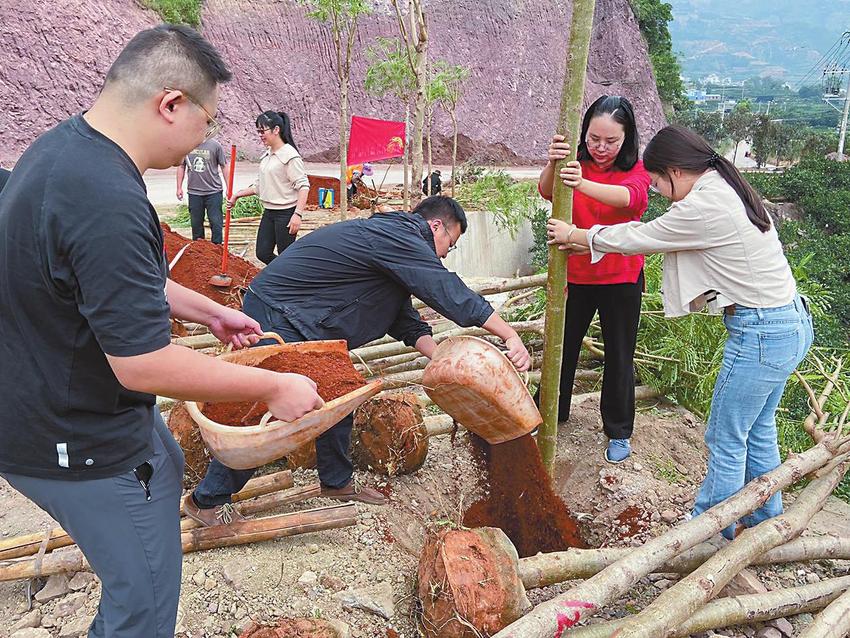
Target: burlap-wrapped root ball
(292, 628)
(469, 574)
(389, 435)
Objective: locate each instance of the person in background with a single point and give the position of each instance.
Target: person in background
(353, 280)
(83, 251)
(721, 250)
(282, 186)
(609, 186)
(207, 167)
(436, 184)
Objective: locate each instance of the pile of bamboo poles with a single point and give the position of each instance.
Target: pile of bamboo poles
(37, 555)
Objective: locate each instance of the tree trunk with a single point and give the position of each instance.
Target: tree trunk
(832, 622)
(419, 40)
(569, 123)
(744, 610)
(343, 146)
(677, 604)
(406, 159)
(454, 147)
(430, 164)
(735, 153)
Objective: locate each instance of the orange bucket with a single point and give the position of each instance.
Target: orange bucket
(471, 380)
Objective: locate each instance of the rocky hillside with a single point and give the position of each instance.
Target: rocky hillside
(55, 55)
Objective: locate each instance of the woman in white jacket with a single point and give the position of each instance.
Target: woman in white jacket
(722, 251)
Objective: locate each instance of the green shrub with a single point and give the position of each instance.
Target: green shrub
(511, 202)
(177, 11)
(244, 207)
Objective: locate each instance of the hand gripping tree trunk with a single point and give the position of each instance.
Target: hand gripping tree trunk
(569, 121)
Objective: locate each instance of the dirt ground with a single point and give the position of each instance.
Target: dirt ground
(319, 575)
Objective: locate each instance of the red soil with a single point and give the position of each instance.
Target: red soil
(333, 373)
(201, 261)
(521, 501)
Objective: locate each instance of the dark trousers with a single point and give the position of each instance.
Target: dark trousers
(332, 457)
(209, 205)
(619, 315)
(131, 543)
(274, 232)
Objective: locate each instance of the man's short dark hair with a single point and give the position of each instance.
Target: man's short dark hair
(446, 209)
(171, 55)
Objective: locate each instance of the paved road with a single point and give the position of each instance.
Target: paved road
(162, 185)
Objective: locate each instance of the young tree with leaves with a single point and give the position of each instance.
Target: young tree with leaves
(739, 125)
(390, 72)
(342, 16)
(452, 78)
(414, 36)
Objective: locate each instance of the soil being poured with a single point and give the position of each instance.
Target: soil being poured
(202, 260)
(521, 501)
(333, 373)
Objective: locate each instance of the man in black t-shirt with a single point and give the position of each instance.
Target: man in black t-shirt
(84, 329)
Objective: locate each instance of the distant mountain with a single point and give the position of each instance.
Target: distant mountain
(746, 38)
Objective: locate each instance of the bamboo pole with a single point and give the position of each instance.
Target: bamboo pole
(745, 610)
(615, 580)
(495, 286)
(569, 121)
(203, 538)
(686, 597)
(29, 544)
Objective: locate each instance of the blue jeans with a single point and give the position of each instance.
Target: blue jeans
(763, 348)
(332, 458)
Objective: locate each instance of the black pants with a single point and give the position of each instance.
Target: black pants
(619, 315)
(209, 205)
(332, 458)
(274, 232)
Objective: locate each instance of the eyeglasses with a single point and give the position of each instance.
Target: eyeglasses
(213, 125)
(262, 130)
(452, 243)
(600, 144)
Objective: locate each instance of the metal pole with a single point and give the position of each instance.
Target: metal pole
(843, 133)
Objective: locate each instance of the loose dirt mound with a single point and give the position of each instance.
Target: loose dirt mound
(470, 576)
(202, 260)
(292, 628)
(333, 373)
(521, 501)
(389, 435)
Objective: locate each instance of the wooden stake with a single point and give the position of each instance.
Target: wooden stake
(29, 544)
(252, 531)
(572, 98)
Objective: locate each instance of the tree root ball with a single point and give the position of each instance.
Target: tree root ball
(188, 436)
(468, 579)
(292, 628)
(303, 457)
(389, 435)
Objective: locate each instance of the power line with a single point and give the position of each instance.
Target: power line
(834, 52)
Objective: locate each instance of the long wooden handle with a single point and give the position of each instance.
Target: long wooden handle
(227, 210)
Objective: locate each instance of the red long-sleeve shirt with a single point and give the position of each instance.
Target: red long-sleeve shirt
(615, 268)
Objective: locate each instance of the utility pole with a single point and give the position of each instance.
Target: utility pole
(843, 133)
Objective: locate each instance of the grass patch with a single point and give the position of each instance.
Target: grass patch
(244, 207)
(665, 469)
(177, 11)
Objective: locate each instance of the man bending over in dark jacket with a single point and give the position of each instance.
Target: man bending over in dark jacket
(353, 280)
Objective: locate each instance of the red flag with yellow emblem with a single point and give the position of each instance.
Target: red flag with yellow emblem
(372, 140)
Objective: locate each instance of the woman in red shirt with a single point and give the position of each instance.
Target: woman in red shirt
(610, 186)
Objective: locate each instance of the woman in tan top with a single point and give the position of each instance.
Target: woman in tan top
(282, 186)
(721, 250)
